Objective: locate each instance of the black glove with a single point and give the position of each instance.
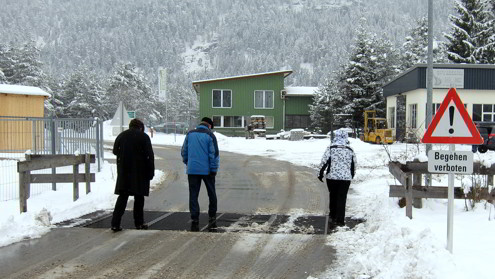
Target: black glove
(213, 173)
(320, 178)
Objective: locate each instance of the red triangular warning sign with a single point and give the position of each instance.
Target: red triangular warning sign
(452, 123)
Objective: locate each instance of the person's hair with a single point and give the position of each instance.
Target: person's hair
(207, 120)
(136, 124)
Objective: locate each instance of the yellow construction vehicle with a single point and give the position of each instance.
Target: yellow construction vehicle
(375, 129)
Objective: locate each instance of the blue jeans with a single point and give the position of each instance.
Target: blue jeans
(194, 187)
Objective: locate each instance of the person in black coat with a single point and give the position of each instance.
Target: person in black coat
(135, 169)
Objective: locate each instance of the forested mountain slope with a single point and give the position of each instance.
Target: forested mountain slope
(198, 39)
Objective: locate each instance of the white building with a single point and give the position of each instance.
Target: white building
(406, 95)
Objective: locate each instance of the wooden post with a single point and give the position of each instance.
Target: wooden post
(24, 186)
(417, 181)
(409, 196)
(87, 173)
(39, 162)
(23, 190)
(75, 193)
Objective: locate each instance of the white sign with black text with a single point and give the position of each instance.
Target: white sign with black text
(445, 161)
(447, 78)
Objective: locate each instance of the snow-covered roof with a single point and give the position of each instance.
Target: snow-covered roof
(300, 90)
(197, 83)
(22, 90)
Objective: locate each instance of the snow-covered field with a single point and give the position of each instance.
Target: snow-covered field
(387, 245)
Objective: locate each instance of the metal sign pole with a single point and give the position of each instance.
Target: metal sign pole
(429, 80)
(451, 129)
(450, 209)
(121, 117)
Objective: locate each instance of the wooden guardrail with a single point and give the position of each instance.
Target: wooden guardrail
(410, 176)
(39, 162)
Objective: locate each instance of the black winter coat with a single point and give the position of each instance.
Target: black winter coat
(135, 163)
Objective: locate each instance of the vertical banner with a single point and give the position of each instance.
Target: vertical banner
(162, 84)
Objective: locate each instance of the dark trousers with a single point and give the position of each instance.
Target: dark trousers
(337, 191)
(194, 187)
(120, 206)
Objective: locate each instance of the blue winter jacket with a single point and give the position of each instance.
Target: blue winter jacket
(200, 151)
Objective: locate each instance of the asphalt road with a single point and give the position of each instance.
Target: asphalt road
(245, 184)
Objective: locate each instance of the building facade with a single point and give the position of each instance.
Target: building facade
(406, 95)
(230, 102)
(18, 101)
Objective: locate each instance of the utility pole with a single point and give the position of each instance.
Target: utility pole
(162, 92)
(429, 79)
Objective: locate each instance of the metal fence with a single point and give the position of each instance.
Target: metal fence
(21, 135)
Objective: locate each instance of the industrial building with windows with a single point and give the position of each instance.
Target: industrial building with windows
(231, 101)
(406, 95)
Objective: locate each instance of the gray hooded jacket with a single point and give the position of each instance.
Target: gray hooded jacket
(342, 158)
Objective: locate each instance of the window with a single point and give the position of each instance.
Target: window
(269, 122)
(391, 117)
(217, 121)
(435, 107)
(483, 112)
(297, 121)
(434, 110)
(222, 121)
(263, 99)
(487, 113)
(222, 98)
(232, 122)
(413, 115)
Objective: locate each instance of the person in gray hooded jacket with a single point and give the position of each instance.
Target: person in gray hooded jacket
(339, 161)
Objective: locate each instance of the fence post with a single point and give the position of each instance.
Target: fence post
(34, 141)
(409, 196)
(87, 160)
(417, 180)
(54, 151)
(98, 142)
(24, 187)
(102, 151)
(75, 194)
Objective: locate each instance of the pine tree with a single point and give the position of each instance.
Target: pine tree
(22, 65)
(469, 34)
(54, 105)
(372, 63)
(181, 101)
(131, 87)
(486, 53)
(415, 49)
(3, 58)
(83, 96)
(320, 111)
(3, 79)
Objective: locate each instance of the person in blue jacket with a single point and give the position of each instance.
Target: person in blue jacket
(200, 154)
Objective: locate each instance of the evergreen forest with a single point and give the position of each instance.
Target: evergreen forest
(90, 54)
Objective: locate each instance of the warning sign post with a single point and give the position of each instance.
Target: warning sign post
(452, 125)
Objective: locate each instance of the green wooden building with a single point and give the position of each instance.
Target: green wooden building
(230, 101)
